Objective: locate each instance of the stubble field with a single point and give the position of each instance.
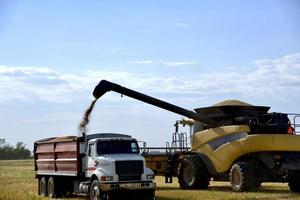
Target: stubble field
(17, 182)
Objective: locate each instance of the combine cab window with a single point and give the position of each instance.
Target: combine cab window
(117, 146)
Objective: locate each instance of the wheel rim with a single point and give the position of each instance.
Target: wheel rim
(188, 174)
(95, 193)
(236, 178)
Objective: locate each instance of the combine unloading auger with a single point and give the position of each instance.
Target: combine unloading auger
(106, 86)
(229, 112)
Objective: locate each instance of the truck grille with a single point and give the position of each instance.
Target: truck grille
(129, 170)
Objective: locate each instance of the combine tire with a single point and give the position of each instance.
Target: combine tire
(242, 177)
(294, 183)
(43, 187)
(192, 173)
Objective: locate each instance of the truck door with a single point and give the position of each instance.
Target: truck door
(91, 164)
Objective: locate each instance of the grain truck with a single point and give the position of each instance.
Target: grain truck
(100, 165)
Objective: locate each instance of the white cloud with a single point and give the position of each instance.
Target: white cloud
(165, 63)
(183, 25)
(143, 62)
(278, 79)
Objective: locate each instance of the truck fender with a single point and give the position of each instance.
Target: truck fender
(93, 177)
(148, 171)
(98, 172)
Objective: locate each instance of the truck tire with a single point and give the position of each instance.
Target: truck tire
(242, 177)
(95, 191)
(52, 188)
(43, 186)
(294, 184)
(192, 173)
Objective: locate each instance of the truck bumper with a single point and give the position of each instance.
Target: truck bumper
(127, 186)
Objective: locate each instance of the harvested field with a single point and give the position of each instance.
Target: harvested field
(17, 182)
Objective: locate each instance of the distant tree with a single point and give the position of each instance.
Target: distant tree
(2, 142)
(8, 152)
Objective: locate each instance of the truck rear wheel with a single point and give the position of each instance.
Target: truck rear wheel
(95, 191)
(294, 184)
(242, 177)
(192, 173)
(52, 188)
(43, 186)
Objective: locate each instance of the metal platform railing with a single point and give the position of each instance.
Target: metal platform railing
(162, 150)
(295, 122)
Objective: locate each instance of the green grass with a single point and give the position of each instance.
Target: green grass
(17, 182)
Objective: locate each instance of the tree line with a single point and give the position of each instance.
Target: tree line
(9, 152)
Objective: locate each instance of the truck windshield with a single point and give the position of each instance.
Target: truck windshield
(117, 146)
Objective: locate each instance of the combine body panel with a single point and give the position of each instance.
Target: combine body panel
(286, 142)
(228, 143)
(221, 144)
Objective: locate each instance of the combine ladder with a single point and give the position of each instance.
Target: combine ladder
(179, 143)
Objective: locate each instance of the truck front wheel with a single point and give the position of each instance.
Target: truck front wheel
(192, 173)
(43, 186)
(95, 191)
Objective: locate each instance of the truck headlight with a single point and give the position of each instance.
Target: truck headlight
(150, 176)
(107, 178)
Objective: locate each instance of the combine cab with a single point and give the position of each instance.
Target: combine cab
(231, 140)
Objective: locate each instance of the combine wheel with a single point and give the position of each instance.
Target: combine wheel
(43, 187)
(242, 177)
(192, 173)
(294, 183)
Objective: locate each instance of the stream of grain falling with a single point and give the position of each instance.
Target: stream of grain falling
(83, 126)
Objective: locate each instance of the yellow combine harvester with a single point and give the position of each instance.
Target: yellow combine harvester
(231, 140)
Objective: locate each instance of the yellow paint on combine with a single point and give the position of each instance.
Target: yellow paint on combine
(287, 142)
(223, 156)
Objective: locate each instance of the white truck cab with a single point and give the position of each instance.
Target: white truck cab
(114, 164)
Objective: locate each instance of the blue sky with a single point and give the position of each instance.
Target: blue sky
(191, 53)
